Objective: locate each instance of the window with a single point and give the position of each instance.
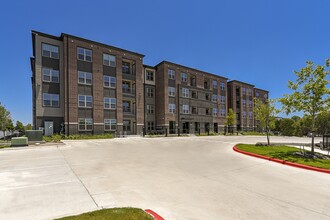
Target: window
(171, 74)
(185, 109)
(250, 115)
(184, 77)
(51, 100)
(215, 111)
(50, 75)
(207, 96)
(222, 112)
(244, 102)
(127, 106)
(150, 126)
(206, 84)
(84, 78)
(150, 75)
(85, 124)
(223, 99)
(194, 94)
(109, 81)
(85, 101)
(171, 91)
(208, 111)
(244, 114)
(110, 124)
(250, 91)
(150, 109)
(250, 103)
(222, 86)
(214, 84)
(126, 67)
(185, 92)
(257, 94)
(109, 103)
(244, 90)
(265, 96)
(150, 92)
(192, 80)
(109, 60)
(194, 110)
(84, 54)
(50, 51)
(171, 108)
(214, 98)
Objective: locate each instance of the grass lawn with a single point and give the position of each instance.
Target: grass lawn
(112, 214)
(284, 153)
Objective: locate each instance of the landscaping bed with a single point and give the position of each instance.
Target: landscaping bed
(57, 137)
(290, 154)
(112, 214)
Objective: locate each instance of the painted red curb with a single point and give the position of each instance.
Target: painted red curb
(154, 214)
(288, 163)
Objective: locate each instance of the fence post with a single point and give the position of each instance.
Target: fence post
(165, 132)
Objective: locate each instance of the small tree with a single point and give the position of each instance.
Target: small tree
(265, 113)
(19, 126)
(5, 120)
(310, 93)
(28, 127)
(230, 119)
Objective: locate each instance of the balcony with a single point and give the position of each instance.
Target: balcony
(128, 111)
(129, 91)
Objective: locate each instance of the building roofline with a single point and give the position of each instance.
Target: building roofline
(148, 66)
(193, 69)
(84, 39)
(241, 82)
(262, 90)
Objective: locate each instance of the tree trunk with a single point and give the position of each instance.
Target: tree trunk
(268, 141)
(313, 128)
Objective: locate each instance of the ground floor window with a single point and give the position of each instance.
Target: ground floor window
(85, 124)
(150, 126)
(110, 124)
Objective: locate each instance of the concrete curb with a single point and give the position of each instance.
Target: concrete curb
(282, 161)
(154, 214)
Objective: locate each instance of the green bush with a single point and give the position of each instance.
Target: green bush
(57, 137)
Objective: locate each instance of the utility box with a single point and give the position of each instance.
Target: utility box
(19, 141)
(34, 135)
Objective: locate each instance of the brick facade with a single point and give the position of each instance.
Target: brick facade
(205, 107)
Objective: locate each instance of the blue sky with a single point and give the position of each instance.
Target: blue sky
(258, 41)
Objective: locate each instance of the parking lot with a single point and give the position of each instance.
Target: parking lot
(178, 177)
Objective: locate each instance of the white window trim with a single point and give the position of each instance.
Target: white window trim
(51, 75)
(110, 124)
(85, 78)
(50, 100)
(169, 108)
(85, 124)
(50, 51)
(170, 92)
(110, 102)
(109, 61)
(85, 101)
(110, 77)
(84, 54)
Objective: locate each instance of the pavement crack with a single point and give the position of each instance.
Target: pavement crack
(78, 179)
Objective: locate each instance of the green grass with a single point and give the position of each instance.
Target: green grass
(112, 214)
(285, 153)
(57, 137)
(4, 146)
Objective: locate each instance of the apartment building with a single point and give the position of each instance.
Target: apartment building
(241, 100)
(82, 86)
(189, 100)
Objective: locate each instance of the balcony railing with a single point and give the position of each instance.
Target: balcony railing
(130, 91)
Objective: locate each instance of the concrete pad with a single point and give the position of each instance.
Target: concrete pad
(178, 177)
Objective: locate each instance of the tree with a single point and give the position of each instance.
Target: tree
(28, 127)
(230, 119)
(265, 113)
(310, 93)
(287, 127)
(19, 126)
(323, 123)
(5, 120)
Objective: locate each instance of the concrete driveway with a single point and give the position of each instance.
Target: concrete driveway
(179, 178)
